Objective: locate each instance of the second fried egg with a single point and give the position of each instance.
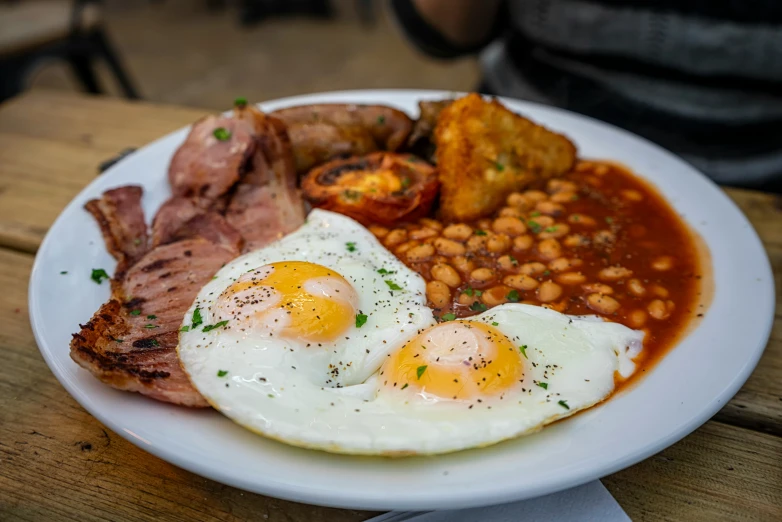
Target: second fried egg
(323, 340)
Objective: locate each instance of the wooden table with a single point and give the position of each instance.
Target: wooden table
(58, 462)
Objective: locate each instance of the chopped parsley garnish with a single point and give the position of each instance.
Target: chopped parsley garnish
(270, 395)
(381, 120)
(222, 373)
(499, 166)
(576, 217)
(534, 214)
(137, 241)
(523, 350)
(135, 312)
(240, 102)
(513, 296)
(197, 319)
(513, 261)
(550, 229)
(352, 195)
(98, 275)
(564, 404)
(351, 246)
(609, 220)
(546, 272)
(361, 320)
(150, 326)
(468, 291)
(185, 328)
(210, 327)
(420, 370)
(477, 307)
(154, 342)
(535, 226)
(63, 272)
(479, 232)
(405, 182)
(151, 316)
(222, 134)
(543, 385)
(392, 285)
(117, 340)
(405, 386)
(448, 317)
(383, 271)
(495, 323)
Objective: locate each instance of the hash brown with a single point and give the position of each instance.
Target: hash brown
(485, 152)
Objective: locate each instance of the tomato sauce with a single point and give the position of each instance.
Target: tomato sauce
(599, 241)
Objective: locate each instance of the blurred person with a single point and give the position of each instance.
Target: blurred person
(702, 78)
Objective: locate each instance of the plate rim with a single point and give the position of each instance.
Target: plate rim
(348, 500)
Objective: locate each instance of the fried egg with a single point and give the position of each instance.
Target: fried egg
(326, 303)
(323, 340)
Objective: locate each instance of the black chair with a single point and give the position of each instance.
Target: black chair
(252, 12)
(31, 31)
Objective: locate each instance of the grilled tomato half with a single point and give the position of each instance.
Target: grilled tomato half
(379, 188)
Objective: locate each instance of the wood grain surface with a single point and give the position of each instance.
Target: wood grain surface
(51, 145)
(58, 463)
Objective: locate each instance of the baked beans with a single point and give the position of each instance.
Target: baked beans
(446, 274)
(549, 291)
(438, 294)
(459, 232)
(521, 282)
(522, 243)
(597, 241)
(571, 278)
(449, 247)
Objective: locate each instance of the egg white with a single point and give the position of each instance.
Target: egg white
(336, 242)
(275, 387)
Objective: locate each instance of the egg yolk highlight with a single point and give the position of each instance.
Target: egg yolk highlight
(455, 360)
(301, 300)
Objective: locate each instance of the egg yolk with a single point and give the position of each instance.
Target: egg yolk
(301, 300)
(456, 360)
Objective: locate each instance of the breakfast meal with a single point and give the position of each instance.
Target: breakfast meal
(343, 278)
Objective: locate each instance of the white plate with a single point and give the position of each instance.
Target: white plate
(691, 384)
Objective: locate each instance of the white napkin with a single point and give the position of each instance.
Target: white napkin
(590, 502)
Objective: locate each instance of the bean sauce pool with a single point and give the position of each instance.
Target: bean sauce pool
(598, 241)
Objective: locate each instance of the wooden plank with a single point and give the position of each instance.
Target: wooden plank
(38, 177)
(60, 463)
(764, 212)
(51, 144)
(719, 472)
(107, 124)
